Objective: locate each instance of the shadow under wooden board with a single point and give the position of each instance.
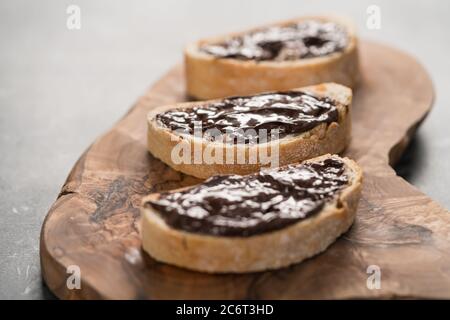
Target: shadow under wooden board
(94, 222)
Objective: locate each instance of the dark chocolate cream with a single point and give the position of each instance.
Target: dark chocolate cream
(306, 39)
(242, 206)
(291, 112)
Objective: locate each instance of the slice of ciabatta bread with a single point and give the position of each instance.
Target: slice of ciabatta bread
(325, 137)
(210, 73)
(200, 227)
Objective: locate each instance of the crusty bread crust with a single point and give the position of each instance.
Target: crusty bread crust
(271, 250)
(209, 77)
(325, 138)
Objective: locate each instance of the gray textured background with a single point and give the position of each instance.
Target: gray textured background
(60, 89)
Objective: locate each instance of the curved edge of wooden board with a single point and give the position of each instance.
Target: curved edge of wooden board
(54, 267)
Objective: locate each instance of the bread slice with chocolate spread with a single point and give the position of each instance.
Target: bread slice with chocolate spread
(280, 56)
(241, 135)
(267, 220)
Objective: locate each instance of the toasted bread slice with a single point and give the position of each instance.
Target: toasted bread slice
(324, 138)
(273, 249)
(209, 76)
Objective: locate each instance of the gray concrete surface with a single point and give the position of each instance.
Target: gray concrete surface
(60, 88)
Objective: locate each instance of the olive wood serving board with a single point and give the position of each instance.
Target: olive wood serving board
(94, 222)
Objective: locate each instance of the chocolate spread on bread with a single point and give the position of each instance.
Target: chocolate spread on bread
(306, 39)
(242, 206)
(291, 112)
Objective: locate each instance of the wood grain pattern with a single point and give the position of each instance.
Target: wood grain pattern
(94, 222)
